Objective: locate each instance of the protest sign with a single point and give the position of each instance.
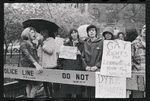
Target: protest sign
(58, 42)
(68, 52)
(116, 59)
(109, 86)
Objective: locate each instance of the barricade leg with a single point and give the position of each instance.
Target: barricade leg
(28, 90)
(128, 92)
(34, 91)
(138, 94)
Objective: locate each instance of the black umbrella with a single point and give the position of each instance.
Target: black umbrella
(40, 25)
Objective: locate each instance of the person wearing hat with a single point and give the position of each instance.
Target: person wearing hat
(29, 58)
(49, 60)
(138, 48)
(108, 33)
(92, 55)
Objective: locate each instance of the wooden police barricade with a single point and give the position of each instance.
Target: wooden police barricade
(84, 78)
(51, 75)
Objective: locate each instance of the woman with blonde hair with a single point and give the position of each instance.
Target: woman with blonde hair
(29, 59)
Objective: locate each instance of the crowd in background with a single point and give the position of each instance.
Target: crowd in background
(38, 51)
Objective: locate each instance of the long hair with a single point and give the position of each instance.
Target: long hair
(73, 30)
(25, 33)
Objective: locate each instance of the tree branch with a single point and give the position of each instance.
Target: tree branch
(49, 10)
(121, 9)
(135, 13)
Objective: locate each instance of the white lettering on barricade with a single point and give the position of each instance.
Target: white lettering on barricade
(116, 59)
(109, 86)
(51, 75)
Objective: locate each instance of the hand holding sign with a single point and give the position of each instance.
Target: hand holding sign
(88, 68)
(78, 52)
(94, 68)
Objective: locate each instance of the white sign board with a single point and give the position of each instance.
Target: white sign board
(109, 86)
(68, 52)
(116, 59)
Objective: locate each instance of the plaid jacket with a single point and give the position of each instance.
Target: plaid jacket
(138, 48)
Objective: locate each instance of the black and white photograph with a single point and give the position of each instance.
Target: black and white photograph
(74, 50)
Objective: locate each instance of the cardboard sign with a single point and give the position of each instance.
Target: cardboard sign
(116, 59)
(109, 86)
(68, 52)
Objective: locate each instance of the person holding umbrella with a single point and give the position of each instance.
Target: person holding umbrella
(48, 59)
(29, 59)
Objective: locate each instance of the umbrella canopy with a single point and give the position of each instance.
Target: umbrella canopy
(40, 25)
(82, 31)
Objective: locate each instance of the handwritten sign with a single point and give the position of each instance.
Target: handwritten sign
(116, 59)
(109, 86)
(68, 52)
(58, 42)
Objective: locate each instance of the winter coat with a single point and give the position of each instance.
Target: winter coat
(28, 57)
(29, 54)
(92, 53)
(138, 48)
(68, 64)
(48, 58)
(92, 56)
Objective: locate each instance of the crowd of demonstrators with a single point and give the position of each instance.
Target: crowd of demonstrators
(42, 55)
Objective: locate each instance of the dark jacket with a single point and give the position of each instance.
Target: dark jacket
(92, 53)
(28, 54)
(68, 64)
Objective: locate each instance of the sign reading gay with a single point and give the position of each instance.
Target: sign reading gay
(109, 86)
(116, 59)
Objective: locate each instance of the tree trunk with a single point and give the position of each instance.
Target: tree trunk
(5, 51)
